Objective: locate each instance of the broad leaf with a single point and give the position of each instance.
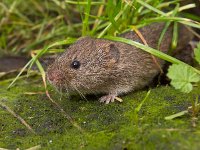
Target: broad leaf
(182, 77)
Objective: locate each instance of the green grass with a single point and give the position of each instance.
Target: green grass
(31, 25)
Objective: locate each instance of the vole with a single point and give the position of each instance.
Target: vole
(93, 65)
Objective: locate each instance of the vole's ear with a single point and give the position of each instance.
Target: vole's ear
(114, 53)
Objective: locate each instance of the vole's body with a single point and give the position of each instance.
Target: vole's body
(109, 67)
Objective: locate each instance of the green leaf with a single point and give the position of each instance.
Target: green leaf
(197, 53)
(182, 77)
(86, 19)
(151, 8)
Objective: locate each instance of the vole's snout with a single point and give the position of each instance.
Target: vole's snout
(55, 76)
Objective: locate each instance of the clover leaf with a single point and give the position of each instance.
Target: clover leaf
(182, 77)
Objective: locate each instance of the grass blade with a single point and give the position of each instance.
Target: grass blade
(86, 19)
(11, 84)
(151, 8)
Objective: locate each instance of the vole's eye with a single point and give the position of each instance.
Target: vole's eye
(75, 64)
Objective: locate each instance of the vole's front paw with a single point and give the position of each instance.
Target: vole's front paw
(109, 98)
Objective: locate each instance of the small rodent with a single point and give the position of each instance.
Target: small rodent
(93, 65)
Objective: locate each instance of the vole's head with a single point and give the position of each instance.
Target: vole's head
(85, 66)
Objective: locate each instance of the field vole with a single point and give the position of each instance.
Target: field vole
(102, 66)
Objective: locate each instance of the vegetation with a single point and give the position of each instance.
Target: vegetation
(37, 28)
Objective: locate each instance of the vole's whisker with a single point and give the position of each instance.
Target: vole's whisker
(67, 90)
(60, 90)
(61, 95)
(57, 89)
(79, 92)
(68, 96)
(84, 86)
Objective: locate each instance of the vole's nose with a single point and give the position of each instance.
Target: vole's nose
(54, 76)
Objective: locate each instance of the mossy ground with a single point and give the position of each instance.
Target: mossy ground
(113, 126)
